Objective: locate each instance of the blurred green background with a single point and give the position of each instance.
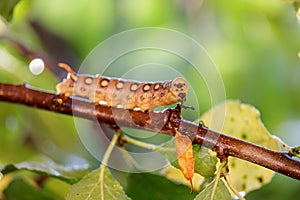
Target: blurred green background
(254, 45)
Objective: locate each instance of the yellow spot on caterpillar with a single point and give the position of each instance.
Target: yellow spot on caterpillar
(104, 83)
(146, 87)
(88, 81)
(156, 87)
(120, 85)
(133, 87)
(60, 101)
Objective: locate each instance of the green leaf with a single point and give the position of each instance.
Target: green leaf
(89, 188)
(7, 7)
(243, 121)
(220, 192)
(148, 186)
(19, 189)
(69, 174)
(205, 161)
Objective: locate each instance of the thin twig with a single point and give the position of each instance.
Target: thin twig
(148, 146)
(216, 181)
(105, 161)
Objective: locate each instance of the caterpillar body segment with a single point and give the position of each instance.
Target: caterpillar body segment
(117, 92)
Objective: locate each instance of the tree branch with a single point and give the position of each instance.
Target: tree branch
(163, 122)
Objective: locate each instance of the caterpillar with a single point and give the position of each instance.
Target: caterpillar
(117, 92)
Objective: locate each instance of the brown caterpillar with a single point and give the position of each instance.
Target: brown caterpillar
(117, 92)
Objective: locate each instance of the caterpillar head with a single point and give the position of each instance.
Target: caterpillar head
(179, 88)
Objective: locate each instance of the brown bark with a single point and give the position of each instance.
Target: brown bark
(163, 122)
